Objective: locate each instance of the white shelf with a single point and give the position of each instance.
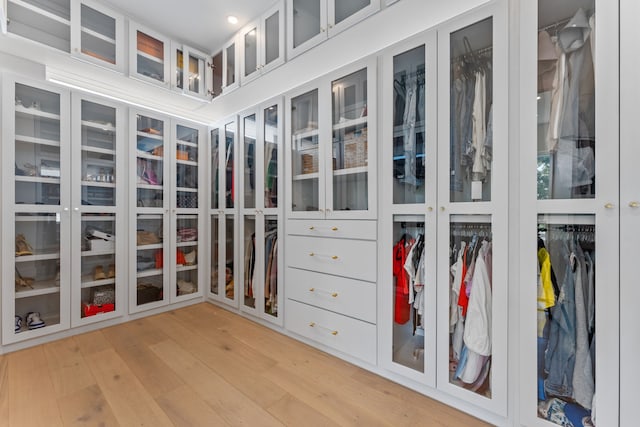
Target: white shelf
(305, 133)
(98, 253)
(149, 187)
(149, 273)
(180, 267)
(98, 218)
(36, 218)
(97, 150)
(145, 155)
(43, 287)
(151, 135)
(88, 282)
(305, 176)
(99, 184)
(187, 244)
(155, 217)
(38, 257)
(350, 123)
(34, 140)
(42, 12)
(149, 247)
(351, 171)
(108, 127)
(150, 57)
(21, 109)
(98, 35)
(187, 143)
(186, 190)
(187, 162)
(37, 179)
(187, 216)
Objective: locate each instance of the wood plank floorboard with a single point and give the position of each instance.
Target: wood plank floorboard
(202, 366)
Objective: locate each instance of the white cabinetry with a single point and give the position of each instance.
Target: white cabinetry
(310, 22)
(166, 218)
(149, 55)
(46, 22)
(262, 44)
(189, 70)
(223, 212)
(570, 212)
(97, 34)
(261, 224)
(331, 232)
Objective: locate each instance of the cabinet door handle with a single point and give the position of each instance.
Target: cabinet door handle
(333, 294)
(312, 254)
(312, 228)
(334, 228)
(634, 204)
(334, 257)
(430, 209)
(442, 208)
(315, 325)
(609, 206)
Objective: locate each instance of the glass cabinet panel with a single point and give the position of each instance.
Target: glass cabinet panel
(215, 168)
(195, 71)
(98, 156)
(271, 265)
(566, 326)
(150, 56)
(350, 144)
(250, 260)
(272, 38)
(179, 69)
(305, 153)
(408, 293)
(186, 254)
(37, 270)
(307, 18)
(566, 100)
(249, 159)
(229, 252)
(230, 76)
(251, 51)
(186, 167)
(346, 8)
(215, 254)
(37, 146)
(46, 22)
(98, 264)
(230, 140)
(409, 123)
(149, 161)
(271, 143)
(98, 34)
(470, 303)
(217, 74)
(471, 134)
(149, 258)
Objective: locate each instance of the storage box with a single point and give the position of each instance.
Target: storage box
(356, 151)
(92, 309)
(102, 245)
(309, 163)
(147, 293)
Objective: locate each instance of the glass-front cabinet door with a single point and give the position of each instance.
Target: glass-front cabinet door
(344, 13)
(37, 210)
(262, 43)
(185, 213)
(149, 210)
(472, 209)
(46, 22)
(331, 145)
(230, 66)
(188, 72)
(223, 212)
(214, 74)
(149, 55)
(306, 25)
(408, 332)
(261, 135)
(97, 34)
(570, 191)
(98, 222)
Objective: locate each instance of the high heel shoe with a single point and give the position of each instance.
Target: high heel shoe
(22, 247)
(112, 271)
(23, 282)
(98, 274)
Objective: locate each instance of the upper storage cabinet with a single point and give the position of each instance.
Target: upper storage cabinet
(44, 21)
(188, 72)
(263, 44)
(149, 56)
(215, 70)
(331, 145)
(97, 34)
(230, 66)
(310, 22)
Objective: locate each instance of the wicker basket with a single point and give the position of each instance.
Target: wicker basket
(309, 163)
(356, 151)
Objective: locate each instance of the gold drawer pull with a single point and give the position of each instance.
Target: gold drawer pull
(312, 289)
(312, 228)
(334, 294)
(322, 291)
(334, 228)
(331, 331)
(334, 257)
(312, 254)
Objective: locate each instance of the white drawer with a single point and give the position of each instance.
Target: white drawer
(350, 336)
(350, 297)
(343, 229)
(349, 258)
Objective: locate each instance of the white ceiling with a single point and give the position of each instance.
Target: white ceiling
(200, 24)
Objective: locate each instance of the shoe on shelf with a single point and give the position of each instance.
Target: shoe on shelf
(23, 282)
(22, 247)
(112, 271)
(34, 321)
(190, 258)
(150, 176)
(18, 326)
(98, 273)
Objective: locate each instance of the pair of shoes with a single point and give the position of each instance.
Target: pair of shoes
(149, 176)
(23, 282)
(18, 325)
(22, 247)
(144, 237)
(34, 321)
(190, 258)
(99, 274)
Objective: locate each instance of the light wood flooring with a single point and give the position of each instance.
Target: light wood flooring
(201, 366)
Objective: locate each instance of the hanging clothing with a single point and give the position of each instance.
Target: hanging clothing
(479, 172)
(583, 377)
(477, 331)
(401, 306)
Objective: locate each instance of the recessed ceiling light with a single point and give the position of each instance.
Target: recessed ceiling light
(232, 19)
